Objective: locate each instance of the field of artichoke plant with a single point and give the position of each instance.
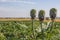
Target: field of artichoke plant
(33, 29)
(12, 30)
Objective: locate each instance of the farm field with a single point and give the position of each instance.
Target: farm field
(22, 30)
(23, 19)
(29, 20)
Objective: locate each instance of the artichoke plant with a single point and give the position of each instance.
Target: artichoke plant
(33, 15)
(41, 18)
(53, 12)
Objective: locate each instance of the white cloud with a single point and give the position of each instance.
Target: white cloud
(7, 0)
(3, 0)
(27, 2)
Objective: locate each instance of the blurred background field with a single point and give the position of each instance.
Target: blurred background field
(21, 29)
(26, 19)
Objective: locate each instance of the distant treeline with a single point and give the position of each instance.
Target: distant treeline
(23, 18)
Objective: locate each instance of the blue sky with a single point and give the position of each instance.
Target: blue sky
(21, 8)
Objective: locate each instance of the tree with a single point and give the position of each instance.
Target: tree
(53, 12)
(33, 15)
(41, 18)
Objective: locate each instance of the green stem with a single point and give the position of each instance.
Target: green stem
(42, 32)
(51, 26)
(33, 27)
(34, 37)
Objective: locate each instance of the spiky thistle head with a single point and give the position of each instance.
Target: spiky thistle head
(33, 13)
(53, 12)
(41, 15)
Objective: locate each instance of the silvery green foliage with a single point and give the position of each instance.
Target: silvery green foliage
(44, 26)
(23, 25)
(2, 37)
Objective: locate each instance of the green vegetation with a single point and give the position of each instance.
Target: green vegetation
(22, 31)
